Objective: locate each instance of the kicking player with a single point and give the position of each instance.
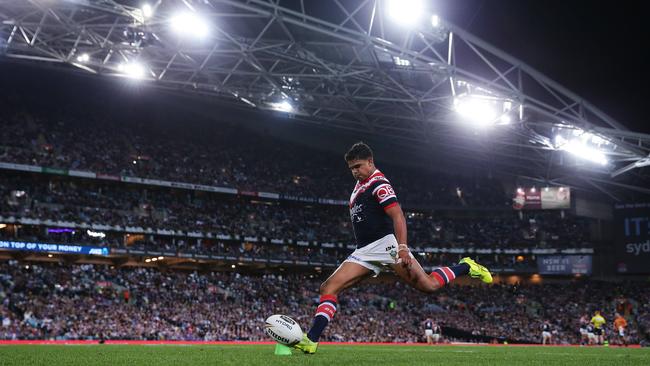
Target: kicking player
(380, 233)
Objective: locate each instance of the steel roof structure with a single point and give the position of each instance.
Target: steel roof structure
(342, 65)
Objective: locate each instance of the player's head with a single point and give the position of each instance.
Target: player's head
(360, 161)
(597, 312)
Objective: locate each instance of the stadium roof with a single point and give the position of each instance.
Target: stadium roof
(348, 65)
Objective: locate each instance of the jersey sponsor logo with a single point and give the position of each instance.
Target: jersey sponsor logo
(385, 191)
(355, 213)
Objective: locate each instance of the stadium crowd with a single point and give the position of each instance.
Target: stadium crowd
(63, 301)
(218, 155)
(82, 201)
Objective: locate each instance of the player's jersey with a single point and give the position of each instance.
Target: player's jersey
(590, 328)
(598, 321)
(428, 324)
(368, 202)
(546, 328)
(620, 323)
(436, 329)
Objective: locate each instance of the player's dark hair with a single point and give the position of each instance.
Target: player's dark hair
(358, 151)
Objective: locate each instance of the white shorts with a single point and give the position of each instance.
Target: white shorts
(376, 255)
(436, 337)
(546, 334)
(591, 336)
(428, 332)
(583, 331)
(621, 332)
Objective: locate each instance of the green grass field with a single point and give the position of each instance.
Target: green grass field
(157, 355)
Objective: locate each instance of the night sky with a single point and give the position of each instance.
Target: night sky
(595, 49)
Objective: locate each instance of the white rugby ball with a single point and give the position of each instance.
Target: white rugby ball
(283, 329)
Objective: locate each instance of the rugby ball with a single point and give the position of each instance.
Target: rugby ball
(283, 329)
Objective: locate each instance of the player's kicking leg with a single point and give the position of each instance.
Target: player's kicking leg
(345, 276)
(415, 276)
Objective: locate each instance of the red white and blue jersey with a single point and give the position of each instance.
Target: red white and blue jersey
(368, 204)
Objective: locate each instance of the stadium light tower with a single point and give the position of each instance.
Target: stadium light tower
(190, 24)
(405, 12)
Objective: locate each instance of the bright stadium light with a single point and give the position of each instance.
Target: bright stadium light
(282, 106)
(401, 61)
(405, 12)
(285, 106)
(480, 111)
(435, 21)
(132, 69)
(190, 24)
(580, 149)
(147, 10)
(84, 57)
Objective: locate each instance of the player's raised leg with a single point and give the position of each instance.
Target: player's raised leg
(415, 276)
(345, 276)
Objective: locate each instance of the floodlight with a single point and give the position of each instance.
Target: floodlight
(282, 106)
(435, 21)
(84, 57)
(132, 69)
(475, 109)
(405, 12)
(190, 24)
(401, 61)
(579, 148)
(147, 10)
